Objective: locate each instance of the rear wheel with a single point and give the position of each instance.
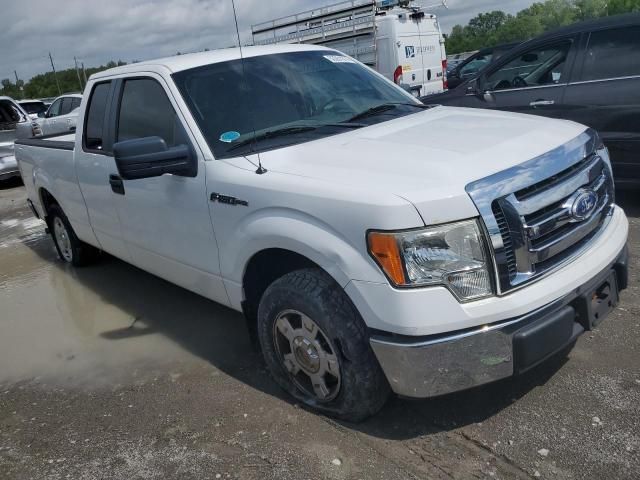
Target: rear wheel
(70, 249)
(316, 346)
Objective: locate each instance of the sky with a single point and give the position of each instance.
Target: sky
(96, 31)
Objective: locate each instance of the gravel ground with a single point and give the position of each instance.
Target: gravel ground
(108, 372)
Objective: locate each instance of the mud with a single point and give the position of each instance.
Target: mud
(108, 372)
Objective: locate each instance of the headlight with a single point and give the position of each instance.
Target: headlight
(453, 255)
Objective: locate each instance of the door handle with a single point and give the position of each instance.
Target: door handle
(542, 103)
(117, 185)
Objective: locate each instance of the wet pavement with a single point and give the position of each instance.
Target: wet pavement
(107, 372)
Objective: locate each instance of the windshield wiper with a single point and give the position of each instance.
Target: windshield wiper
(291, 130)
(384, 107)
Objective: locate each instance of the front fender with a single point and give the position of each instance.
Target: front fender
(300, 233)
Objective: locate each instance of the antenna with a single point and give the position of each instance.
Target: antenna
(260, 170)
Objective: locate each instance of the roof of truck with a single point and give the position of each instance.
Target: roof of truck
(186, 61)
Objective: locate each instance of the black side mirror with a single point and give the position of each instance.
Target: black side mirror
(150, 157)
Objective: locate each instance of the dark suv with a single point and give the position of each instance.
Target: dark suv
(588, 72)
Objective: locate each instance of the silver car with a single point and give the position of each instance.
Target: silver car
(61, 117)
(11, 116)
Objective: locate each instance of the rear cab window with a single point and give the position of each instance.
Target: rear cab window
(94, 131)
(613, 53)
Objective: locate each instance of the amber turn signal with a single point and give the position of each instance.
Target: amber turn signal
(384, 249)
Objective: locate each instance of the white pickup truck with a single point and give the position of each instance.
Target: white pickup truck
(374, 244)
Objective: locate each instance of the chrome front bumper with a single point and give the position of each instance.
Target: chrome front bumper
(441, 364)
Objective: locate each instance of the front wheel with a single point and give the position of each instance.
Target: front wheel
(316, 346)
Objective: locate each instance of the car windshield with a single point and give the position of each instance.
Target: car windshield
(282, 99)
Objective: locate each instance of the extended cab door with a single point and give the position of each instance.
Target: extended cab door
(165, 219)
(605, 94)
(94, 165)
(528, 81)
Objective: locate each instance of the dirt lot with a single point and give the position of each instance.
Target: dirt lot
(110, 373)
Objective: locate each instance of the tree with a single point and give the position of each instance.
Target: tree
(622, 6)
(587, 9)
(10, 89)
(493, 28)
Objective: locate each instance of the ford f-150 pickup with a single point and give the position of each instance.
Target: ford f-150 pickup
(374, 244)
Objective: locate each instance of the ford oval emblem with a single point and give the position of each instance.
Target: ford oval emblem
(584, 204)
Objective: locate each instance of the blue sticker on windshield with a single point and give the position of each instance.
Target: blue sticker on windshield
(228, 137)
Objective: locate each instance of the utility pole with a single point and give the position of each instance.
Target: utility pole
(18, 82)
(78, 73)
(55, 74)
(84, 73)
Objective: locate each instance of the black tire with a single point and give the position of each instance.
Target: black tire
(362, 389)
(79, 253)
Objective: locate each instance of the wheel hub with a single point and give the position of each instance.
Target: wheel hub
(62, 238)
(307, 354)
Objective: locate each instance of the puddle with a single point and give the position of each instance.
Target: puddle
(97, 324)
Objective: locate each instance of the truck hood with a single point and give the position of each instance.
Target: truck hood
(427, 158)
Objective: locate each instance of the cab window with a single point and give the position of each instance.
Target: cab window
(544, 65)
(145, 111)
(612, 54)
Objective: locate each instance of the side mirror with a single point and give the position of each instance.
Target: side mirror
(42, 114)
(150, 157)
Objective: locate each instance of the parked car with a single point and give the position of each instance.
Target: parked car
(11, 115)
(470, 67)
(34, 108)
(588, 72)
(61, 116)
(374, 244)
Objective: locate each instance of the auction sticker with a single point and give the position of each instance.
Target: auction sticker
(339, 59)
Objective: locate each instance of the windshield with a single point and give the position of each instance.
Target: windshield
(320, 89)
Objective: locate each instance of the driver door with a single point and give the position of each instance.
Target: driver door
(533, 81)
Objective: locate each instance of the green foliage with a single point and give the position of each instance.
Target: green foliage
(623, 6)
(44, 85)
(494, 28)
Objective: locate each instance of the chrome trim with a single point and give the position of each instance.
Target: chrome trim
(558, 174)
(532, 87)
(452, 362)
(581, 82)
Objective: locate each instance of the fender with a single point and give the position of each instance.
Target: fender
(298, 232)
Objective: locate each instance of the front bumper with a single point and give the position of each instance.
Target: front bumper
(438, 364)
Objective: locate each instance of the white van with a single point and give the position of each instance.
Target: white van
(399, 40)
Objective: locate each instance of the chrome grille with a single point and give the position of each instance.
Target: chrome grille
(534, 212)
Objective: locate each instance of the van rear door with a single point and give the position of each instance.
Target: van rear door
(421, 55)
